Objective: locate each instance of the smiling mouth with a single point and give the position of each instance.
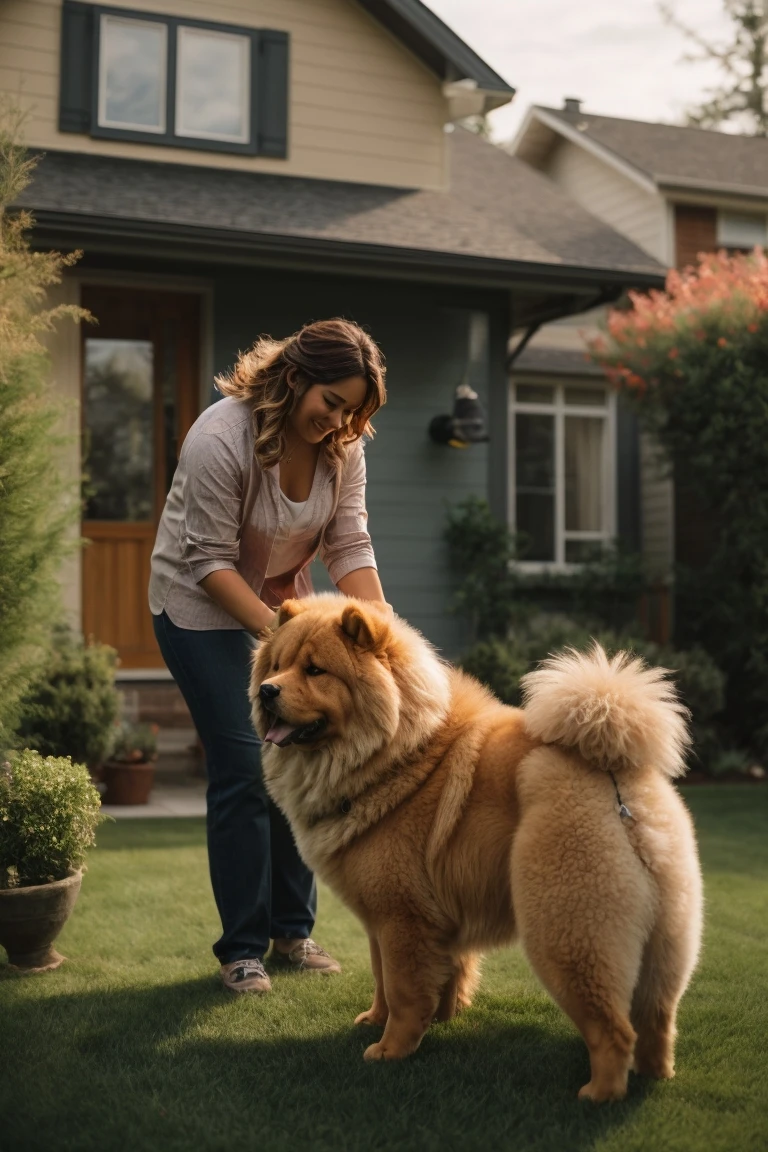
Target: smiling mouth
(281, 733)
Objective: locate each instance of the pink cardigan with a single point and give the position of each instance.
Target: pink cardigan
(223, 511)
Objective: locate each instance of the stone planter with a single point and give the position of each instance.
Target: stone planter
(128, 782)
(31, 919)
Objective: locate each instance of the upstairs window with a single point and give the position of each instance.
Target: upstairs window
(563, 471)
(143, 77)
(132, 74)
(744, 230)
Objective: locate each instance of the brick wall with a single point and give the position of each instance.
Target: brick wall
(695, 231)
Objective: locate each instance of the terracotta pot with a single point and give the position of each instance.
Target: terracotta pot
(31, 919)
(127, 783)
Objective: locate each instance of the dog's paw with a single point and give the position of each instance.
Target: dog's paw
(375, 1019)
(374, 1052)
(601, 1094)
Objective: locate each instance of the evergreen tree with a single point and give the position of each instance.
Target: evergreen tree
(742, 97)
(38, 508)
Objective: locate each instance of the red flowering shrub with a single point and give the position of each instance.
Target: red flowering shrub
(695, 359)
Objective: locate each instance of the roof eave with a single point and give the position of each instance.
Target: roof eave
(644, 180)
(671, 184)
(438, 46)
(225, 245)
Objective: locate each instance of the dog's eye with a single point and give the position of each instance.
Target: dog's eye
(313, 670)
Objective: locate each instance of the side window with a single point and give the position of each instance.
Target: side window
(563, 471)
(149, 78)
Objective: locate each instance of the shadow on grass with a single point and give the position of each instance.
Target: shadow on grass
(181, 1066)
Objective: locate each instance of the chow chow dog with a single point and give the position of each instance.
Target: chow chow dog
(451, 823)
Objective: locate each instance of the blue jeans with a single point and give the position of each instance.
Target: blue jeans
(262, 888)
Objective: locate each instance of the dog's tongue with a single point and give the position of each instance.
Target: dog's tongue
(280, 733)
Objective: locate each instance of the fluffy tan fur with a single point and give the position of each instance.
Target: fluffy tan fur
(451, 824)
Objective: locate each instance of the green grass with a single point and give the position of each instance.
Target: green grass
(132, 1044)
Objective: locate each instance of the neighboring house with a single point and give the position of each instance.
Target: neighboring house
(282, 163)
(675, 192)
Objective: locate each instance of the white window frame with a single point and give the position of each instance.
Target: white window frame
(559, 410)
(122, 125)
(245, 94)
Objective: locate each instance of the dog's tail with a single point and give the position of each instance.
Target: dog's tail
(619, 713)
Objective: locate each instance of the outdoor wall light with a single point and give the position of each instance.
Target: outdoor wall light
(465, 426)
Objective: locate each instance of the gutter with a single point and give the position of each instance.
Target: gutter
(189, 242)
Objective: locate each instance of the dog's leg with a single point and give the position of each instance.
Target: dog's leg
(469, 978)
(584, 907)
(448, 1006)
(668, 961)
(415, 972)
(377, 1013)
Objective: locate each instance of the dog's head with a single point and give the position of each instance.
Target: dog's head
(340, 689)
(314, 665)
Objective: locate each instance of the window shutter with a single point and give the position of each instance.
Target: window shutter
(76, 81)
(271, 112)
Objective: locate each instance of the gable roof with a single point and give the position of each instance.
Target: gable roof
(438, 46)
(660, 156)
(500, 223)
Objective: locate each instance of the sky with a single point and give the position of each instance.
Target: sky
(617, 56)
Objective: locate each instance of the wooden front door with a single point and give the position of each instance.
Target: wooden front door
(141, 386)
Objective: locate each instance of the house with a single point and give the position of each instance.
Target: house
(675, 192)
(248, 168)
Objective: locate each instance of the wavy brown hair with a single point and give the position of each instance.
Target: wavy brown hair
(319, 353)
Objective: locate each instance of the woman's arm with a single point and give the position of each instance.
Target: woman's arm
(363, 583)
(228, 589)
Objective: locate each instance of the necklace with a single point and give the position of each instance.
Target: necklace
(287, 457)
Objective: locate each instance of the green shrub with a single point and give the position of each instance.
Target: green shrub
(49, 811)
(39, 509)
(501, 663)
(71, 707)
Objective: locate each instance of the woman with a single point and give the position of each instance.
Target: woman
(267, 478)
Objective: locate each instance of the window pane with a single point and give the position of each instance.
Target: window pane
(741, 229)
(591, 396)
(584, 481)
(119, 429)
(535, 484)
(213, 85)
(535, 393)
(132, 57)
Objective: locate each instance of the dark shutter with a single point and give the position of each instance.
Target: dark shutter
(76, 82)
(271, 92)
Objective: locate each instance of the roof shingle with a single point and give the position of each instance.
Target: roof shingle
(497, 208)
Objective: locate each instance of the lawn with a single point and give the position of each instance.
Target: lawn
(133, 1045)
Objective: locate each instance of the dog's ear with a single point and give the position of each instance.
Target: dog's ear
(287, 610)
(367, 630)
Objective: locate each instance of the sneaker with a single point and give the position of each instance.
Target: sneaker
(245, 976)
(306, 956)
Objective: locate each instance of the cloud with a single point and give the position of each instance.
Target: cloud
(621, 60)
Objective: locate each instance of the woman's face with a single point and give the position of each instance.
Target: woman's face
(325, 407)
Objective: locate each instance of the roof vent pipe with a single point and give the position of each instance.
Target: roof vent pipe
(572, 106)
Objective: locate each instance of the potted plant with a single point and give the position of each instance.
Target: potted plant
(49, 811)
(130, 771)
(71, 706)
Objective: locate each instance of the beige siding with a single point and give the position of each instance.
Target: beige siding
(657, 504)
(362, 107)
(63, 345)
(613, 198)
